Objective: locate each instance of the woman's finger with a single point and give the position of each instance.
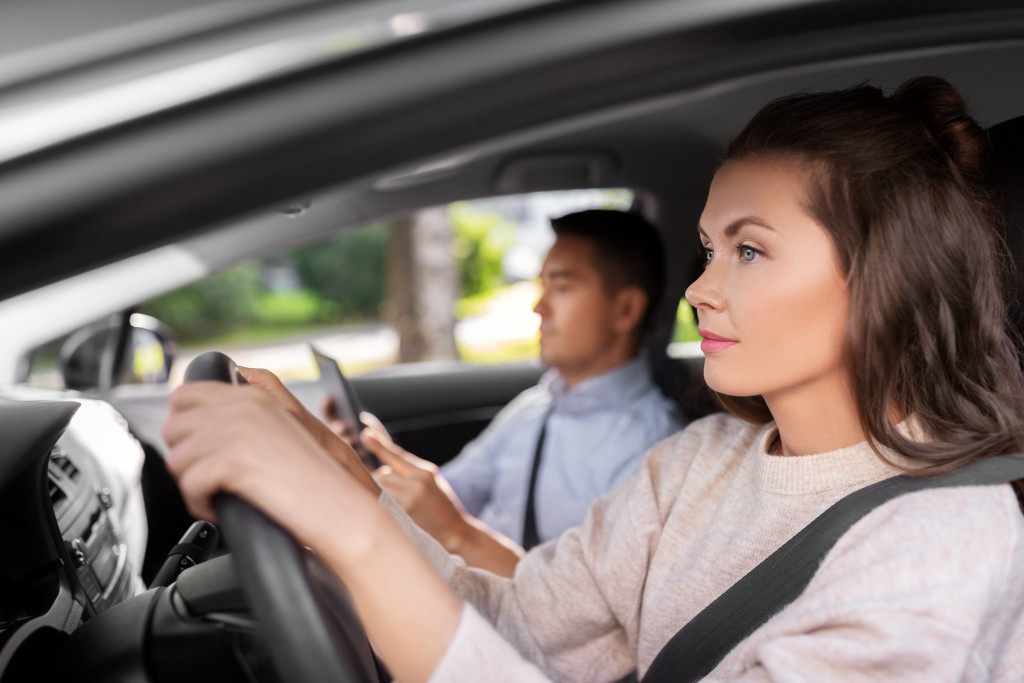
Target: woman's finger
(264, 379)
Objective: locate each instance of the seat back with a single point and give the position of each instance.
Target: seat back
(1007, 182)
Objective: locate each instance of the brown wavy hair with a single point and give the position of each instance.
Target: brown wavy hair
(896, 181)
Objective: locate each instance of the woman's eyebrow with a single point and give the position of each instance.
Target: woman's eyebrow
(734, 227)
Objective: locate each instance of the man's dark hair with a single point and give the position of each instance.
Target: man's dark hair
(627, 251)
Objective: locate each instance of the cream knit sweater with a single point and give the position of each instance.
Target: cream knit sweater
(928, 587)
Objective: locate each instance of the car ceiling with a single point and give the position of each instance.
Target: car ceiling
(58, 26)
(640, 94)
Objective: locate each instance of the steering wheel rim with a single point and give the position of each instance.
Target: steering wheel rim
(302, 609)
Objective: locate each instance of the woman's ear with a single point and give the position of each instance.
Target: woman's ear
(630, 307)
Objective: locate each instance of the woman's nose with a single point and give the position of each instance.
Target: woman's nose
(704, 292)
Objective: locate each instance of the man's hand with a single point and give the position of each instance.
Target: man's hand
(330, 417)
(421, 490)
(417, 485)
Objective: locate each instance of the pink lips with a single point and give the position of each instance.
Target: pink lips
(712, 342)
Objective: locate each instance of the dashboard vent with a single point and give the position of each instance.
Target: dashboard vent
(59, 459)
(62, 478)
(57, 496)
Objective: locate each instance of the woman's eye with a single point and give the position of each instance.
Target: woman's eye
(748, 254)
(706, 254)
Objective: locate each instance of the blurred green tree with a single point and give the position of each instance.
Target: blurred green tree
(343, 279)
(211, 306)
(479, 246)
(348, 271)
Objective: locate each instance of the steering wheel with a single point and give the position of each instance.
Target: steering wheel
(301, 607)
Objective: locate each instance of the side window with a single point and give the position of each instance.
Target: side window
(685, 341)
(44, 367)
(456, 282)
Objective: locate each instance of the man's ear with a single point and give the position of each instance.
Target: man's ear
(630, 306)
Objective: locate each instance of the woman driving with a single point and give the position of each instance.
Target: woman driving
(853, 327)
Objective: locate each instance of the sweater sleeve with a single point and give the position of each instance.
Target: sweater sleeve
(479, 653)
(921, 589)
(572, 609)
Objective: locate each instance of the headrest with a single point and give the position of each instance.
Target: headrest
(1007, 140)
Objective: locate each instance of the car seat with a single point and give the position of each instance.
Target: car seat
(1007, 183)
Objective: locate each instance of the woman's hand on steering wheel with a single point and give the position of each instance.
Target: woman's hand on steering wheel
(324, 435)
(244, 441)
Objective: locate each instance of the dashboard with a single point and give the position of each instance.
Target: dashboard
(74, 526)
(82, 506)
(73, 605)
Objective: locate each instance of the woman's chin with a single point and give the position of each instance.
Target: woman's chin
(728, 385)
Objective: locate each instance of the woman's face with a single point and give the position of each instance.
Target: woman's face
(772, 303)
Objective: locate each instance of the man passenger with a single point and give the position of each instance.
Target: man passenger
(533, 472)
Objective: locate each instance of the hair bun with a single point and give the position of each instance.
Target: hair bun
(938, 106)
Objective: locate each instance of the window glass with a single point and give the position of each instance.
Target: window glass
(44, 367)
(685, 339)
(448, 283)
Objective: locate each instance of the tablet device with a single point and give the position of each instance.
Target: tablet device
(346, 402)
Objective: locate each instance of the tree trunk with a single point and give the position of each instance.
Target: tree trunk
(423, 286)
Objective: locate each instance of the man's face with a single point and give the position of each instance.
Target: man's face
(578, 319)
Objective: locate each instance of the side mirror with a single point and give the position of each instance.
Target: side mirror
(122, 349)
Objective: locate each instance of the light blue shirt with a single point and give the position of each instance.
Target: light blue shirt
(597, 433)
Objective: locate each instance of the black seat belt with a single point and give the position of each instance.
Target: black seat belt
(531, 536)
(701, 644)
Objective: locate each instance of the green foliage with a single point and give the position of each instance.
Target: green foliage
(211, 306)
(480, 242)
(292, 308)
(686, 324)
(619, 199)
(344, 278)
(469, 306)
(348, 271)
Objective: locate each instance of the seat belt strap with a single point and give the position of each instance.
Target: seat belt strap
(531, 536)
(703, 642)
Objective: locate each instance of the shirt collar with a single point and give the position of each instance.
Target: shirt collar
(611, 388)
